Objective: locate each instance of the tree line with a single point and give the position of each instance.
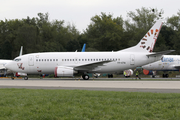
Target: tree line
(104, 33)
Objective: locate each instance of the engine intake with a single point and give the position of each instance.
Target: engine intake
(64, 71)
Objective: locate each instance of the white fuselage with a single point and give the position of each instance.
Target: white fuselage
(3, 70)
(45, 63)
(168, 63)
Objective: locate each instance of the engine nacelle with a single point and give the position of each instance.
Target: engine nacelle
(147, 72)
(129, 72)
(20, 74)
(64, 71)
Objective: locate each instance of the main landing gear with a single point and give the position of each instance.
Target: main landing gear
(165, 75)
(85, 76)
(26, 78)
(110, 75)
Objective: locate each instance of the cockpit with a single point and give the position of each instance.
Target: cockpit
(17, 59)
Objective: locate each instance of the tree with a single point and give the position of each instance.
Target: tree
(105, 32)
(138, 23)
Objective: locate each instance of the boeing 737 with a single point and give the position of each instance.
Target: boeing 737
(4, 71)
(167, 63)
(70, 63)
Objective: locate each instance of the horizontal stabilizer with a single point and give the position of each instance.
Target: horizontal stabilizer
(160, 53)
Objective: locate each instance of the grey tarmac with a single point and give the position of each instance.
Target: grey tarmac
(167, 86)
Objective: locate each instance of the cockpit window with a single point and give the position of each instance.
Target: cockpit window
(17, 60)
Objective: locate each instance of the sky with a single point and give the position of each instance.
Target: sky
(80, 12)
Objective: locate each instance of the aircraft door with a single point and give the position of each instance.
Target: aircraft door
(31, 60)
(132, 59)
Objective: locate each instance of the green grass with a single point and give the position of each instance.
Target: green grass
(25, 104)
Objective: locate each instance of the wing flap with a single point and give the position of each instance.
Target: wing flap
(91, 66)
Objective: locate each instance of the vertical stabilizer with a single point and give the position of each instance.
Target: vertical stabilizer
(147, 43)
(84, 47)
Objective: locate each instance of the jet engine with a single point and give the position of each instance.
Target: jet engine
(64, 71)
(20, 74)
(147, 72)
(129, 72)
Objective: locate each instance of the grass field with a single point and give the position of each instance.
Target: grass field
(24, 104)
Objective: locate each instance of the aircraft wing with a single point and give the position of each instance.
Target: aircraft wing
(91, 66)
(177, 67)
(160, 53)
(2, 67)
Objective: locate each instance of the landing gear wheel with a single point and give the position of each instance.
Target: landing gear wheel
(110, 75)
(85, 77)
(26, 78)
(165, 75)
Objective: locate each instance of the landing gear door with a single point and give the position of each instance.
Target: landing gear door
(132, 59)
(31, 60)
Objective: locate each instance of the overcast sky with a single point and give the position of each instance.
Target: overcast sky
(79, 12)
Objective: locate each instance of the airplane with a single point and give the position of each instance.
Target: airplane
(69, 63)
(4, 71)
(167, 63)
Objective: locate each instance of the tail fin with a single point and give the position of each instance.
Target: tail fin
(84, 47)
(147, 43)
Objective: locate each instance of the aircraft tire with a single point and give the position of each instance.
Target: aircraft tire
(110, 75)
(167, 75)
(26, 78)
(85, 77)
